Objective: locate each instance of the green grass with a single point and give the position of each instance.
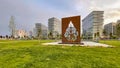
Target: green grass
(112, 42)
(32, 54)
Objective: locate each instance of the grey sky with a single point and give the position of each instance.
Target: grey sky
(29, 12)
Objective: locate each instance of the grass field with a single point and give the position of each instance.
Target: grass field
(32, 54)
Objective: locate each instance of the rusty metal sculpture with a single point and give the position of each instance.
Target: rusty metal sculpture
(71, 30)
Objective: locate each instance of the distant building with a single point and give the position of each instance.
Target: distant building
(54, 25)
(30, 34)
(34, 32)
(110, 28)
(41, 30)
(21, 33)
(118, 22)
(118, 29)
(93, 24)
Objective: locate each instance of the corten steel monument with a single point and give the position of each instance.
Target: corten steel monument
(71, 30)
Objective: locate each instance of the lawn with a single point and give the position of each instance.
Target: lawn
(32, 54)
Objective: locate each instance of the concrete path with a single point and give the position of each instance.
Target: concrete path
(86, 43)
(90, 43)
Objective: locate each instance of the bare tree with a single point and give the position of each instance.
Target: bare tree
(50, 35)
(12, 26)
(39, 33)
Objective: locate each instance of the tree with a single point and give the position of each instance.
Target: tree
(39, 33)
(0, 36)
(12, 26)
(111, 35)
(104, 32)
(50, 35)
(118, 30)
(97, 36)
(56, 35)
(7, 36)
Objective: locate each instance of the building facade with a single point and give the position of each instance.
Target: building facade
(110, 28)
(21, 33)
(118, 22)
(34, 32)
(40, 30)
(92, 24)
(54, 25)
(118, 29)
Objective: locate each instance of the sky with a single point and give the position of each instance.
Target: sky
(29, 12)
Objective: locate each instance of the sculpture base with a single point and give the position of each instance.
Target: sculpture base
(73, 43)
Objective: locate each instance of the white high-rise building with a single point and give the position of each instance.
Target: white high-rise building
(93, 24)
(54, 25)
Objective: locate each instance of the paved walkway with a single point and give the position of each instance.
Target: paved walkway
(86, 43)
(90, 43)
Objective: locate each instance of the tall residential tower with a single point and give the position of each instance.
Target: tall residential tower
(54, 25)
(93, 24)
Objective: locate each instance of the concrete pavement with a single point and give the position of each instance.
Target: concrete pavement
(86, 43)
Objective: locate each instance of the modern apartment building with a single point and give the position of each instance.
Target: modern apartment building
(54, 25)
(110, 28)
(40, 30)
(93, 24)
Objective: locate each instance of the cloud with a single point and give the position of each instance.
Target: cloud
(111, 8)
(29, 12)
